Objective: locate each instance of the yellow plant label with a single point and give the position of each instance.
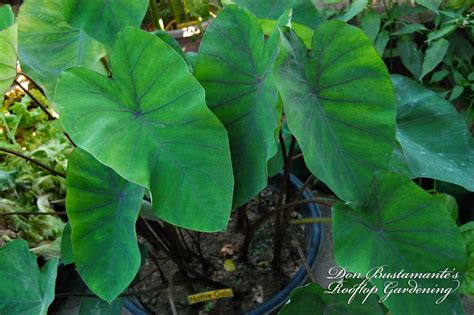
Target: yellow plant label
(210, 295)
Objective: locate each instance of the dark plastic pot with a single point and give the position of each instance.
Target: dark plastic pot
(313, 236)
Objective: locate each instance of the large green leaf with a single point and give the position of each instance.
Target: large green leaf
(150, 123)
(339, 104)
(58, 34)
(313, 299)
(404, 229)
(235, 67)
(102, 208)
(434, 138)
(24, 289)
(8, 42)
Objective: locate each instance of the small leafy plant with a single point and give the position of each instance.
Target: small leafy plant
(197, 143)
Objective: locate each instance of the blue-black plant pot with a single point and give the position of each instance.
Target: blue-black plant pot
(313, 236)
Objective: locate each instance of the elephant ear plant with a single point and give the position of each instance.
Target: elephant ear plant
(156, 140)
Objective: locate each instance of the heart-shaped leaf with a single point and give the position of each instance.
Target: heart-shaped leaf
(24, 289)
(102, 208)
(313, 299)
(435, 140)
(339, 104)
(401, 228)
(58, 34)
(150, 123)
(235, 67)
(8, 39)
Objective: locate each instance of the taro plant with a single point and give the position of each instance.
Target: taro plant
(156, 140)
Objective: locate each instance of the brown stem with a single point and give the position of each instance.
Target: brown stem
(287, 211)
(279, 224)
(49, 169)
(256, 225)
(242, 218)
(181, 265)
(282, 145)
(45, 110)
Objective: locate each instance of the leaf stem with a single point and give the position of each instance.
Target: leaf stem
(311, 220)
(38, 163)
(153, 9)
(45, 110)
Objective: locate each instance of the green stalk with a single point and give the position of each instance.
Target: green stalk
(311, 220)
(155, 17)
(175, 6)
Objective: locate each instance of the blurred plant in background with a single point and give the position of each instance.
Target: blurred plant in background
(25, 187)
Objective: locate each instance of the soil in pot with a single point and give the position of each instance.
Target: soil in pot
(253, 279)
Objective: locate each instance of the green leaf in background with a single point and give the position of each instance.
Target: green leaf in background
(48, 44)
(342, 97)
(467, 231)
(7, 18)
(370, 24)
(235, 67)
(434, 55)
(304, 12)
(24, 289)
(439, 75)
(442, 32)
(305, 17)
(67, 255)
(312, 299)
(8, 42)
(411, 57)
(103, 209)
(355, 7)
(58, 34)
(150, 123)
(403, 228)
(434, 138)
(381, 42)
(433, 5)
(456, 92)
(410, 29)
(103, 19)
(450, 204)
